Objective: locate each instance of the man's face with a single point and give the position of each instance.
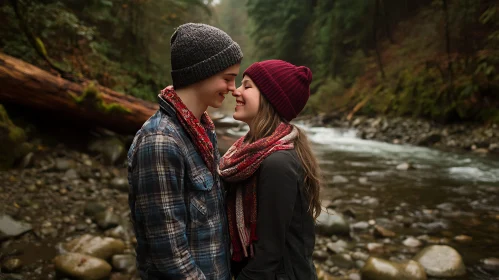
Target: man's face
(214, 89)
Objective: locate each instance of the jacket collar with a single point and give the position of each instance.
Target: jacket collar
(166, 107)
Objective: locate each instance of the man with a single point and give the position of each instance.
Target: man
(176, 198)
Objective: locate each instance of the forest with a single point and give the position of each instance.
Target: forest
(434, 59)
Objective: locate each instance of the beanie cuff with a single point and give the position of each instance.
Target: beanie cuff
(272, 91)
(208, 67)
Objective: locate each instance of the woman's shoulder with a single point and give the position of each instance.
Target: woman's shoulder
(283, 159)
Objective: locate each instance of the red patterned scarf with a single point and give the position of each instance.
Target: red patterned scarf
(195, 128)
(238, 167)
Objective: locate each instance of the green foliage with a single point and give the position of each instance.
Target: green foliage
(281, 32)
(339, 40)
(326, 97)
(122, 44)
(426, 93)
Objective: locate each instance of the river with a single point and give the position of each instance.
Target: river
(443, 195)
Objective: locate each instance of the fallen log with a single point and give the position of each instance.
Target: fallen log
(27, 85)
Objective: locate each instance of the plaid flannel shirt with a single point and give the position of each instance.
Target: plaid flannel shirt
(177, 205)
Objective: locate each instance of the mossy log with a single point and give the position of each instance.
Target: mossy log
(26, 85)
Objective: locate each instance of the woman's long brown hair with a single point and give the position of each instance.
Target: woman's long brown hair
(264, 124)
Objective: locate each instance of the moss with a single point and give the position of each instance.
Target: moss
(91, 97)
(41, 46)
(12, 141)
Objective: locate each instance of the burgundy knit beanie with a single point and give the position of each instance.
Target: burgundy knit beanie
(286, 86)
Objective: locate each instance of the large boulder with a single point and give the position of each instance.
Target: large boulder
(11, 228)
(380, 269)
(12, 141)
(441, 261)
(111, 148)
(95, 246)
(330, 222)
(82, 266)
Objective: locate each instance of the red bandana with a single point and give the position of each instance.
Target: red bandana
(195, 128)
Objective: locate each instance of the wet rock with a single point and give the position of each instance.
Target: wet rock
(360, 226)
(429, 139)
(329, 223)
(119, 276)
(464, 190)
(27, 160)
(118, 232)
(93, 208)
(490, 264)
(375, 248)
(337, 247)
(124, 263)
(342, 261)
(12, 228)
(82, 266)
(107, 219)
(359, 264)
(354, 276)
(360, 256)
(120, 184)
(463, 238)
(81, 227)
(446, 206)
(381, 232)
(323, 275)
(71, 174)
(349, 213)
(63, 164)
(95, 246)
(11, 265)
(111, 148)
(412, 242)
(380, 269)
(363, 181)
(370, 201)
(31, 188)
(441, 261)
(320, 255)
(405, 166)
(338, 179)
(435, 227)
(11, 276)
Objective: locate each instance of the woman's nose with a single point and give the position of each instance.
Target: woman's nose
(236, 92)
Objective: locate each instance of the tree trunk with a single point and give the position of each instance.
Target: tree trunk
(29, 86)
(447, 43)
(375, 38)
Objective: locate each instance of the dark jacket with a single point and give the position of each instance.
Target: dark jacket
(177, 206)
(285, 229)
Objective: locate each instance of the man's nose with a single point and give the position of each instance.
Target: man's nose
(232, 86)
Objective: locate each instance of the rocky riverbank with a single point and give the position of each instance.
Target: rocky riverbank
(66, 215)
(370, 250)
(64, 212)
(478, 138)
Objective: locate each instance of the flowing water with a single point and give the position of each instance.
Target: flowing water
(444, 195)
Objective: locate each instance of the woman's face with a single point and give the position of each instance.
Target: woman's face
(247, 101)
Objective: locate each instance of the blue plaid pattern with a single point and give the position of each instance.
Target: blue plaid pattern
(177, 205)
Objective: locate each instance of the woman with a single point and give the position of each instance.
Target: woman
(272, 177)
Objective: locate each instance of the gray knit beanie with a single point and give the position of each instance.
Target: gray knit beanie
(199, 51)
